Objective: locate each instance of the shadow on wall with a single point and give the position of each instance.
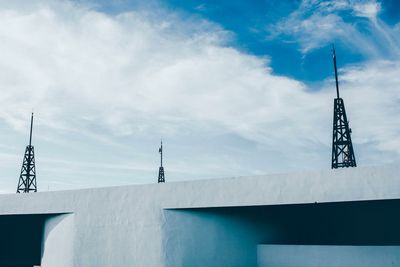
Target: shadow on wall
(228, 236)
(21, 239)
(24, 239)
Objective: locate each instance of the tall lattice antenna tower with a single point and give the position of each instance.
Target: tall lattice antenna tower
(161, 176)
(342, 147)
(27, 178)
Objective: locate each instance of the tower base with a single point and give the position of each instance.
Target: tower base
(342, 147)
(27, 179)
(161, 177)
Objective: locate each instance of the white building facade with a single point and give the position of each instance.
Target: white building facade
(347, 217)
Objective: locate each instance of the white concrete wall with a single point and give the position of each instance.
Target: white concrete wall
(198, 239)
(328, 256)
(126, 226)
(58, 240)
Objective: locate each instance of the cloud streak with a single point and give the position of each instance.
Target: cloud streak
(356, 24)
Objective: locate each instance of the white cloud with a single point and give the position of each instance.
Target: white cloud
(106, 87)
(369, 9)
(373, 98)
(319, 30)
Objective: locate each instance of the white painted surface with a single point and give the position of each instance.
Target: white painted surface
(193, 239)
(126, 226)
(58, 241)
(327, 256)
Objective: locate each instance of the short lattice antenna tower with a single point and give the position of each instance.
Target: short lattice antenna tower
(161, 176)
(27, 179)
(342, 147)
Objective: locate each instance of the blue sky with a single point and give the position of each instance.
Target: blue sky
(251, 26)
(233, 87)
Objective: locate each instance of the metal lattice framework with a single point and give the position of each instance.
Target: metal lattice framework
(161, 176)
(27, 178)
(342, 147)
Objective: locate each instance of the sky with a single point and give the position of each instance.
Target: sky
(233, 88)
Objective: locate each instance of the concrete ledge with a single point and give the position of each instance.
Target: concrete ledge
(327, 256)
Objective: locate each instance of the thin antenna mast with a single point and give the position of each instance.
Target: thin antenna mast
(161, 151)
(336, 76)
(30, 135)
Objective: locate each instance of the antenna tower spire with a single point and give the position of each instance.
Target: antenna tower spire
(335, 67)
(342, 147)
(27, 178)
(161, 176)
